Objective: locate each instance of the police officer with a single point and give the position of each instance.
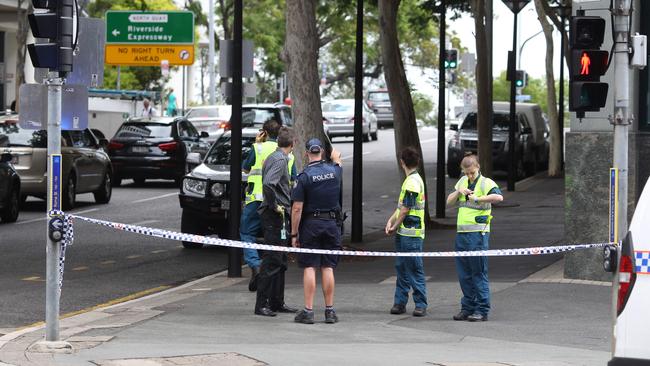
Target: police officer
(407, 222)
(315, 223)
(475, 195)
(250, 223)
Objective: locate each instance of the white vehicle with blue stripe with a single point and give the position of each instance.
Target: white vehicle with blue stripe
(632, 291)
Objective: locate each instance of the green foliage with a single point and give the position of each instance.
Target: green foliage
(423, 107)
(536, 88)
(136, 78)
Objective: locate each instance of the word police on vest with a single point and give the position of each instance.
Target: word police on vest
(322, 177)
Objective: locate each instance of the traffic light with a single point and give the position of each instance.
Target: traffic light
(451, 58)
(587, 64)
(521, 78)
(55, 25)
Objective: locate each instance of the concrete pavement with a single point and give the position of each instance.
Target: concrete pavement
(537, 319)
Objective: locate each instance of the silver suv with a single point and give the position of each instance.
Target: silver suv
(379, 102)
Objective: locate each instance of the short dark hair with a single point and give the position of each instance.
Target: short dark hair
(410, 157)
(271, 127)
(285, 137)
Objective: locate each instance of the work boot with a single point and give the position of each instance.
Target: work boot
(476, 317)
(252, 284)
(462, 315)
(330, 316)
(285, 309)
(265, 311)
(420, 312)
(398, 309)
(305, 317)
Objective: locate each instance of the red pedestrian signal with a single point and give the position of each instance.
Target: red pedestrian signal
(585, 61)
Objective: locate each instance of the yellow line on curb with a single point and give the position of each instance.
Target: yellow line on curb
(104, 305)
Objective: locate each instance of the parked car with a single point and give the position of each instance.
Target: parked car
(531, 143)
(257, 114)
(379, 102)
(338, 116)
(213, 119)
(154, 148)
(86, 167)
(9, 189)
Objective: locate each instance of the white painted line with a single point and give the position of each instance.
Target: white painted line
(145, 222)
(157, 197)
(45, 217)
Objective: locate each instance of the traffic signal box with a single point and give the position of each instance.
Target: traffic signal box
(53, 23)
(521, 78)
(587, 64)
(451, 59)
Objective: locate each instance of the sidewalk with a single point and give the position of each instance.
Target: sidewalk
(537, 318)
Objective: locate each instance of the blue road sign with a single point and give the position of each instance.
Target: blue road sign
(55, 179)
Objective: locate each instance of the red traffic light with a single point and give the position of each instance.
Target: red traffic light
(588, 65)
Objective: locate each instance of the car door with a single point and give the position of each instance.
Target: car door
(191, 138)
(98, 160)
(83, 146)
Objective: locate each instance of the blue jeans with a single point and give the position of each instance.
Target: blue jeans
(472, 273)
(249, 229)
(410, 272)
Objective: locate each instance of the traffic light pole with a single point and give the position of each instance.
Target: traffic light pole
(440, 163)
(512, 172)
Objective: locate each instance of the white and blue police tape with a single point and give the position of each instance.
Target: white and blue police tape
(172, 235)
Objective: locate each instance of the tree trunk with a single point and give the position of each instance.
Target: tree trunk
(300, 55)
(21, 48)
(406, 132)
(554, 159)
(484, 124)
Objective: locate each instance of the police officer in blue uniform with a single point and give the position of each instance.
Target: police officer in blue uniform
(315, 223)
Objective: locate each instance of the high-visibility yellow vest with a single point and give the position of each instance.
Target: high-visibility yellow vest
(469, 210)
(413, 183)
(262, 150)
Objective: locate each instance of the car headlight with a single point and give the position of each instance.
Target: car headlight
(194, 186)
(217, 190)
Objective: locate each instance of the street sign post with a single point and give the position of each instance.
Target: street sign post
(135, 38)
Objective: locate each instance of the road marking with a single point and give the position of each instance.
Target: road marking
(108, 262)
(350, 156)
(158, 251)
(33, 278)
(145, 222)
(134, 256)
(45, 218)
(156, 197)
(81, 268)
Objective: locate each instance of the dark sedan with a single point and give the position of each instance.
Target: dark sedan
(154, 148)
(9, 189)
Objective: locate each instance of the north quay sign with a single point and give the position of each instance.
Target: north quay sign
(135, 38)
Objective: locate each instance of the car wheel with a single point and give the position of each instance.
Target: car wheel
(453, 169)
(521, 171)
(191, 224)
(10, 213)
(105, 190)
(69, 194)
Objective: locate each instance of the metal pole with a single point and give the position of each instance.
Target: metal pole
(440, 163)
(512, 172)
(184, 69)
(53, 249)
(621, 117)
(521, 48)
(235, 254)
(357, 168)
(119, 76)
(560, 112)
(211, 51)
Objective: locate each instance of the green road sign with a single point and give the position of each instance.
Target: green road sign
(160, 27)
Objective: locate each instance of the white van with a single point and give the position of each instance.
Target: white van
(632, 324)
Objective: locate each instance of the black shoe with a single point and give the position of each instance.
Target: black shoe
(265, 312)
(330, 316)
(462, 315)
(304, 317)
(285, 309)
(420, 312)
(252, 284)
(398, 309)
(476, 317)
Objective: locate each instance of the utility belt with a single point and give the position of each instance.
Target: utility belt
(326, 215)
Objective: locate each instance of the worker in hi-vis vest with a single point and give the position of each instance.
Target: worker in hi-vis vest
(407, 222)
(475, 195)
(250, 224)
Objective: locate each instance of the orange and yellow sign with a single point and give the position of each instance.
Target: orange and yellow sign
(149, 54)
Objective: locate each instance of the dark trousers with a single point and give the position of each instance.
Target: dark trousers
(270, 282)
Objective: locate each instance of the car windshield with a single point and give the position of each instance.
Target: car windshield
(338, 106)
(378, 97)
(203, 113)
(501, 122)
(256, 116)
(144, 129)
(220, 152)
(12, 135)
